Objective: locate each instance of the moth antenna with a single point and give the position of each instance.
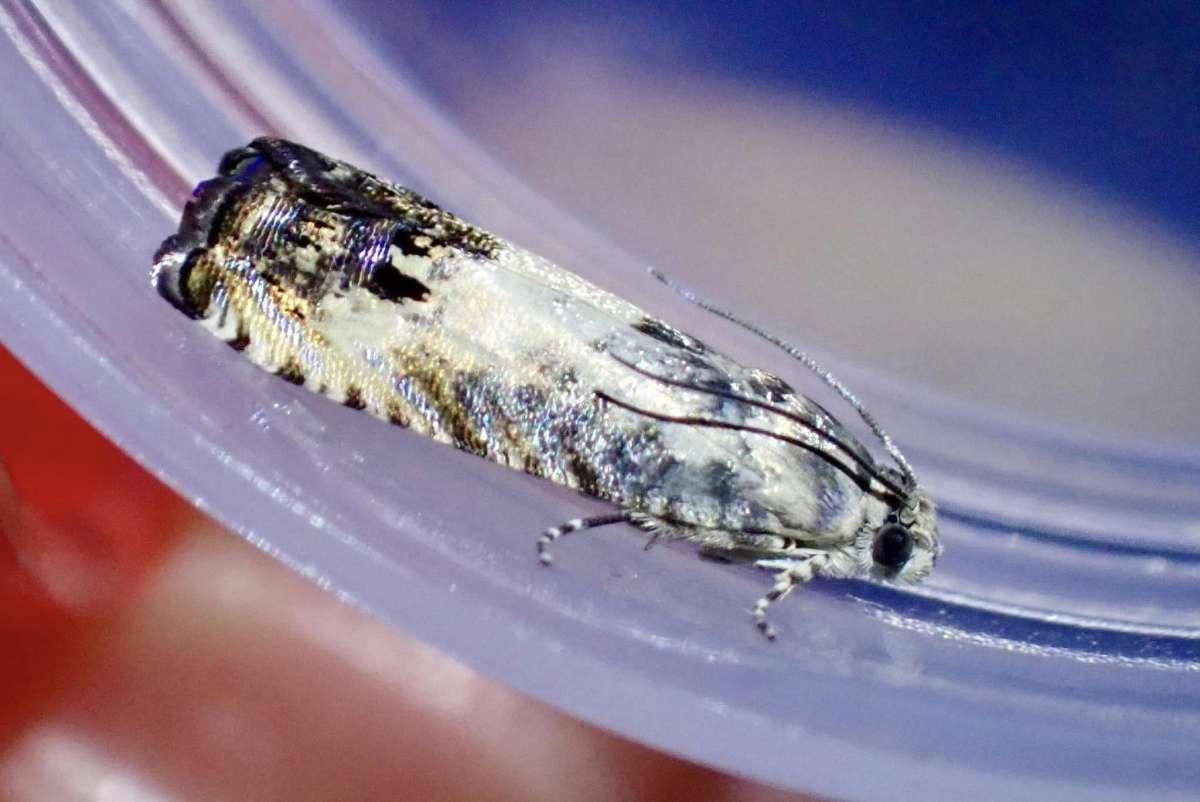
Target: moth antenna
(910, 478)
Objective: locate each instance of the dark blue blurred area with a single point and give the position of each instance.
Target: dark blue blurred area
(1103, 94)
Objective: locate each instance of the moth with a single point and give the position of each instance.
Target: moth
(369, 294)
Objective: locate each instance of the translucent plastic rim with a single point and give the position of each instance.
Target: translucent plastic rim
(1065, 615)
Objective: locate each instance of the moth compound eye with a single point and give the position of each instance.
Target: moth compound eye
(893, 546)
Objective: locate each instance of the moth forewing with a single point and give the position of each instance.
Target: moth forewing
(369, 294)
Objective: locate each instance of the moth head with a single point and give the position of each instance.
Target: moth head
(905, 546)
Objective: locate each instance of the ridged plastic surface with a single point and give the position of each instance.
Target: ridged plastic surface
(1056, 650)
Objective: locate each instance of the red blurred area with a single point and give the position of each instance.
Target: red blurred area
(80, 522)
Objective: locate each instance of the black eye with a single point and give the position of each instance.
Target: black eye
(893, 546)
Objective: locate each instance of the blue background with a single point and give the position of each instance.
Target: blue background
(1105, 95)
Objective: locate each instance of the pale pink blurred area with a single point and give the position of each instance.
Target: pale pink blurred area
(230, 678)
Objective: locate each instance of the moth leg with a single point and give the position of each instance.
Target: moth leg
(742, 548)
(574, 525)
(647, 523)
(792, 572)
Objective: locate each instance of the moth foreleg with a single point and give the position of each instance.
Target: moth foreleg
(791, 572)
(574, 525)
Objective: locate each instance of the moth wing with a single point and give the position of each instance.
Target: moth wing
(517, 279)
(734, 392)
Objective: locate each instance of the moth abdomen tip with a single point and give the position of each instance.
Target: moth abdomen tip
(172, 266)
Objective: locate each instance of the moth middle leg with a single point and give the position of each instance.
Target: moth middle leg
(656, 527)
(578, 524)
